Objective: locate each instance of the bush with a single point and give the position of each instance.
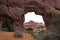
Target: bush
(29, 29)
(6, 26)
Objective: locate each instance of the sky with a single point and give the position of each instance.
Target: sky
(32, 16)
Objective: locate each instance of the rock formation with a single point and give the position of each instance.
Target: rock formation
(14, 10)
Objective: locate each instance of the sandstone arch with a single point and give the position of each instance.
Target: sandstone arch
(15, 10)
(39, 9)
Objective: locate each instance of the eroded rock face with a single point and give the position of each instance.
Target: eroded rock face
(54, 3)
(14, 10)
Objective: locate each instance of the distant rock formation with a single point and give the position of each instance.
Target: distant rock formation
(33, 25)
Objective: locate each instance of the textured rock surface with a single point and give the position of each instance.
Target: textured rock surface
(14, 10)
(54, 3)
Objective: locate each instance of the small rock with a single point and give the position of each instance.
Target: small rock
(18, 34)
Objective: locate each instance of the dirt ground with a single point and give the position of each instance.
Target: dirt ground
(9, 36)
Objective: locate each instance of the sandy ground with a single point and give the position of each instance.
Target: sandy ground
(9, 36)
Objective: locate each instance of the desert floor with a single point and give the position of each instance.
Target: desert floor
(10, 36)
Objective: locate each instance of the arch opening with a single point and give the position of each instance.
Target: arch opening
(31, 16)
(33, 21)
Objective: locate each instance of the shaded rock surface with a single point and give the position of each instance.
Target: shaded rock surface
(14, 10)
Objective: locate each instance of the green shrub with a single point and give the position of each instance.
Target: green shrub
(29, 29)
(6, 26)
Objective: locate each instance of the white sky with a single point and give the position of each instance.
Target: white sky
(32, 16)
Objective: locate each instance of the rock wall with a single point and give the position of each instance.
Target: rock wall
(14, 10)
(54, 3)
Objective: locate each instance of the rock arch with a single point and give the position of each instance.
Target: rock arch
(39, 9)
(15, 10)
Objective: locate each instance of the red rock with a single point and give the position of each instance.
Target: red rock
(14, 10)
